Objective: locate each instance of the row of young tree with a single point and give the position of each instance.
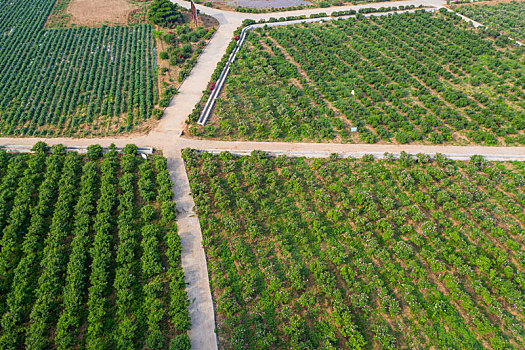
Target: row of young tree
(89, 252)
(72, 81)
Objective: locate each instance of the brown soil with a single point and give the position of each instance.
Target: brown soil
(99, 12)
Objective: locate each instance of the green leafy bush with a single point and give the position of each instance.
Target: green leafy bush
(163, 12)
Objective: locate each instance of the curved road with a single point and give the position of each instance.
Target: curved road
(166, 137)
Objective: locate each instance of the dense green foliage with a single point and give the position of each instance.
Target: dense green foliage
(89, 252)
(73, 81)
(402, 78)
(163, 12)
(507, 18)
(341, 253)
(185, 44)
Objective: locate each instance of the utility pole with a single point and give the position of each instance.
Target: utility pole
(194, 12)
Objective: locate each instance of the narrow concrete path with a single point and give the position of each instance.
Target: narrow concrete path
(190, 93)
(202, 314)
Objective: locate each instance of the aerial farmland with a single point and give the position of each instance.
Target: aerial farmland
(262, 174)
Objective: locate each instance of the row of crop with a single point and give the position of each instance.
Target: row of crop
(69, 321)
(100, 254)
(53, 264)
(62, 81)
(16, 224)
(126, 303)
(151, 265)
(16, 313)
(10, 180)
(424, 240)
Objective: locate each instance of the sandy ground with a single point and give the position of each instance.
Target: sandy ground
(99, 12)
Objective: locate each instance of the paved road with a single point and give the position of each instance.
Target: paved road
(166, 136)
(171, 145)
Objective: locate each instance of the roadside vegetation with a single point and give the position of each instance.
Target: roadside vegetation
(344, 253)
(423, 78)
(508, 18)
(89, 252)
(179, 44)
(247, 6)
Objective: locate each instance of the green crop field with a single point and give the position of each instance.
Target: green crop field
(89, 252)
(77, 81)
(341, 253)
(423, 77)
(507, 18)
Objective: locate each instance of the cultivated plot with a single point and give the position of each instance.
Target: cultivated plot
(77, 81)
(337, 253)
(89, 252)
(420, 77)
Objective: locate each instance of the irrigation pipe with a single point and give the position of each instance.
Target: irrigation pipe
(210, 103)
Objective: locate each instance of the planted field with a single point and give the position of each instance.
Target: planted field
(403, 78)
(507, 18)
(339, 253)
(77, 81)
(89, 253)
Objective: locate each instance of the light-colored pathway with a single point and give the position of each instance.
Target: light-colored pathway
(202, 332)
(173, 144)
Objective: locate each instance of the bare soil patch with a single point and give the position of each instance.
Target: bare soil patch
(99, 12)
